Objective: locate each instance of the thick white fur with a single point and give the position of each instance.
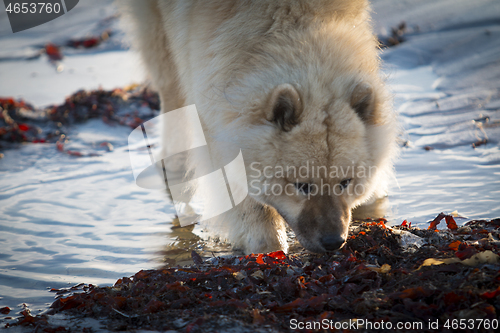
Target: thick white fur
(227, 57)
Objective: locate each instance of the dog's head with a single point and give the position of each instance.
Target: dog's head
(318, 162)
(312, 116)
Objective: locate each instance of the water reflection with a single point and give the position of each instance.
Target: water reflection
(184, 240)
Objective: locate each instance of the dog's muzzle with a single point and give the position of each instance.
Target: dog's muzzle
(332, 242)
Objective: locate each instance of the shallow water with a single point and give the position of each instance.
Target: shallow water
(66, 220)
(451, 176)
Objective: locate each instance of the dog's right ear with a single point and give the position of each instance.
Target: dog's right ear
(284, 107)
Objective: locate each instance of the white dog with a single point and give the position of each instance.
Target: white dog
(296, 85)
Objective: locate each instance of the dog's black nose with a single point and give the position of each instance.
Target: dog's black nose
(332, 242)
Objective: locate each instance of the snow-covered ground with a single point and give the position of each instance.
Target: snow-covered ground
(69, 220)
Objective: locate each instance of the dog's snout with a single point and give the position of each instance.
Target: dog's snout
(332, 242)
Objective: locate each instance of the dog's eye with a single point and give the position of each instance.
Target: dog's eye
(305, 188)
(345, 183)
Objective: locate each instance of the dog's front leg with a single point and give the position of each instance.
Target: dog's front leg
(257, 228)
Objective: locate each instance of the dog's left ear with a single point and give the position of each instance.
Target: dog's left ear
(284, 107)
(362, 100)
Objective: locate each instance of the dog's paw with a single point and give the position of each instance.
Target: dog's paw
(264, 242)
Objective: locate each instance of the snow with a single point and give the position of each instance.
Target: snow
(69, 220)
